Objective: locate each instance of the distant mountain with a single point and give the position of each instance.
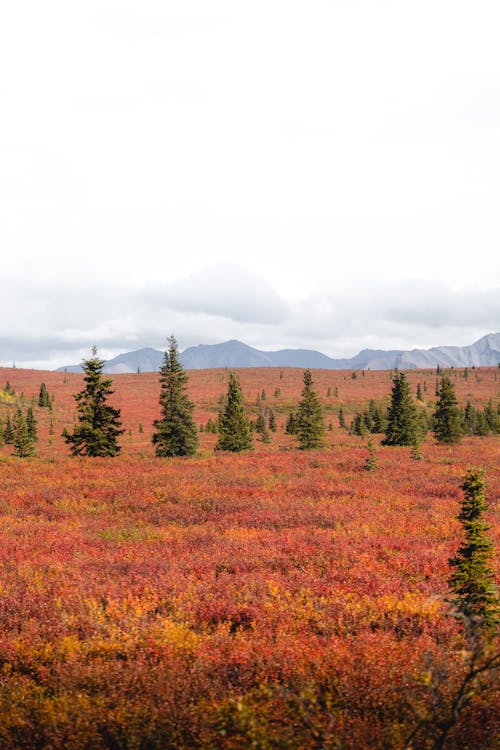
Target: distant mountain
(234, 353)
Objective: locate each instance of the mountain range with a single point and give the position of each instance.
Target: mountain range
(484, 352)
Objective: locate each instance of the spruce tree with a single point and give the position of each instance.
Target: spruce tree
(43, 397)
(402, 425)
(469, 418)
(176, 433)
(342, 423)
(291, 424)
(260, 424)
(22, 442)
(261, 428)
(272, 421)
(475, 595)
(98, 427)
(310, 422)
(233, 426)
(491, 417)
(447, 418)
(8, 434)
(31, 424)
(358, 425)
(371, 463)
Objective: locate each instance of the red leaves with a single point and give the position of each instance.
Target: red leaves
(272, 597)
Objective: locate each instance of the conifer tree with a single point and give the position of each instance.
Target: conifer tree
(342, 423)
(291, 424)
(261, 428)
(373, 417)
(310, 422)
(491, 417)
(447, 418)
(469, 418)
(260, 424)
(480, 424)
(272, 421)
(43, 397)
(8, 434)
(402, 425)
(98, 427)
(234, 428)
(22, 442)
(176, 433)
(31, 424)
(475, 595)
(371, 463)
(358, 426)
(415, 451)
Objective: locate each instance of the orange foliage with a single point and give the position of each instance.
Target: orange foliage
(271, 599)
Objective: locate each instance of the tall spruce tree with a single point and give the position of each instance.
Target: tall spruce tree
(310, 422)
(402, 424)
(234, 428)
(447, 418)
(472, 582)
(176, 432)
(98, 428)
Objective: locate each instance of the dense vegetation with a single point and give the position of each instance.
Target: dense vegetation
(276, 598)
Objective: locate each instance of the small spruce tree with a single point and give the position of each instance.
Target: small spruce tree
(234, 427)
(371, 463)
(98, 426)
(272, 421)
(291, 424)
(310, 421)
(24, 446)
(469, 418)
(31, 424)
(472, 582)
(261, 428)
(43, 396)
(447, 418)
(176, 433)
(402, 425)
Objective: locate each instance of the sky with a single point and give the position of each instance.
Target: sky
(320, 175)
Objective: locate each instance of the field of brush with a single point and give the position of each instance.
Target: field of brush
(270, 599)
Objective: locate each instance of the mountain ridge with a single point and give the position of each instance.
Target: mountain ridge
(233, 353)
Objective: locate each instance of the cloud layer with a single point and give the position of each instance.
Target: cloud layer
(220, 170)
(51, 326)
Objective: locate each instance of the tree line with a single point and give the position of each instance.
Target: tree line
(98, 426)
(21, 431)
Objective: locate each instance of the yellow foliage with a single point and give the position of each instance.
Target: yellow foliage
(178, 635)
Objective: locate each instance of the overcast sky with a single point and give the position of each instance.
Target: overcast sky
(321, 174)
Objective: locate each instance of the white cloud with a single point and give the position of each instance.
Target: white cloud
(332, 153)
